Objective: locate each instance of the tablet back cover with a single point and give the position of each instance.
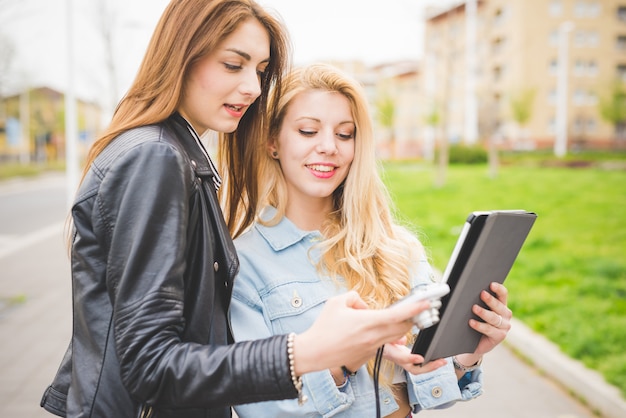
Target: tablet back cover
(486, 254)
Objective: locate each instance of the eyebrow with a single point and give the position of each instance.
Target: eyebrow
(320, 121)
(244, 55)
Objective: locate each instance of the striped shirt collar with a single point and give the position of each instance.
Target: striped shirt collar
(217, 179)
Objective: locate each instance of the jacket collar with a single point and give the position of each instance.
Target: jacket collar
(285, 233)
(200, 160)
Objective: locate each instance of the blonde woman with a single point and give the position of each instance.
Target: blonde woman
(153, 261)
(326, 227)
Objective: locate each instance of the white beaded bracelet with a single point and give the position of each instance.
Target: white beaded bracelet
(297, 381)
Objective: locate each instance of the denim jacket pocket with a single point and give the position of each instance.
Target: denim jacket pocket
(294, 304)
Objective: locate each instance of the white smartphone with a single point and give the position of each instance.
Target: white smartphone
(432, 292)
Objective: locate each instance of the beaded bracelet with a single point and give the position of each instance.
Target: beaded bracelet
(297, 381)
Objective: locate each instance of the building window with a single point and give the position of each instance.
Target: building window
(587, 9)
(556, 8)
(621, 72)
(500, 16)
(553, 66)
(579, 68)
(620, 44)
(582, 97)
(583, 38)
(584, 68)
(498, 72)
(621, 13)
(578, 98)
(578, 127)
(498, 45)
(583, 125)
(591, 125)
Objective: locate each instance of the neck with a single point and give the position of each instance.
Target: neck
(309, 216)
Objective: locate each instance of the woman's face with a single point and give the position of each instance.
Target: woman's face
(223, 84)
(316, 146)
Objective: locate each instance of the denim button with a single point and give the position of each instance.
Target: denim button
(216, 266)
(437, 392)
(296, 302)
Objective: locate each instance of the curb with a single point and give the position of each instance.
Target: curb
(587, 385)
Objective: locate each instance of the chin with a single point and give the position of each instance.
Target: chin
(229, 128)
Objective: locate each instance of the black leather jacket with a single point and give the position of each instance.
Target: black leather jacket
(152, 271)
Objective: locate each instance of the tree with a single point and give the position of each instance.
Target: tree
(613, 108)
(432, 120)
(522, 106)
(386, 117)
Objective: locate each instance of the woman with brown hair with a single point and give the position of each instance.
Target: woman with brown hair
(152, 258)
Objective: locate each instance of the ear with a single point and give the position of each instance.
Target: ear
(272, 150)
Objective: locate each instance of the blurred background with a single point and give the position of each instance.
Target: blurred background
(517, 75)
(477, 104)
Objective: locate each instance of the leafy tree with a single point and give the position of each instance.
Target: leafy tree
(435, 119)
(613, 108)
(521, 106)
(386, 117)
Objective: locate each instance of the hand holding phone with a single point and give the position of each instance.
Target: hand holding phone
(432, 292)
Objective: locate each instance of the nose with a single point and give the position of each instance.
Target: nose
(251, 84)
(327, 142)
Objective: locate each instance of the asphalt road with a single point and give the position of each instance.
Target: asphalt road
(35, 319)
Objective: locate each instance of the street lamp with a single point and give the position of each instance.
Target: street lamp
(71, 124)
(560, 142)
(471, 105)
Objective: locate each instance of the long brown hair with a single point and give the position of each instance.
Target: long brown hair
(187, 31)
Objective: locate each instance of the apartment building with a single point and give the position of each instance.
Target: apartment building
(394, 88)
(521, 93)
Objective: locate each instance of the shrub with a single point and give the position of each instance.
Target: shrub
(464, 154)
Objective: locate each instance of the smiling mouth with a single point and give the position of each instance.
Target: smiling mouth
(235, 108)
(321, 168)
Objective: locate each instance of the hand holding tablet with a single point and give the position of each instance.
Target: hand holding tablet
(485, 252)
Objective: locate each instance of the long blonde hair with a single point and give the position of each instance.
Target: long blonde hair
(187, 31)
(363, 244)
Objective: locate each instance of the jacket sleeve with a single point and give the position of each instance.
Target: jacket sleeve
(441, 388)
(143, 215)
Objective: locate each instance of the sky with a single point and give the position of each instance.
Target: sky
(373, 31)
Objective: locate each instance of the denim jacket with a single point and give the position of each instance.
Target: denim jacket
(278, 290)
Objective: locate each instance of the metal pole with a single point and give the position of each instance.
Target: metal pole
(560, 141)
(471, 105)
(25, 150)
(71, 124)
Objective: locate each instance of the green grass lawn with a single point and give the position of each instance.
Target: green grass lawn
(569, 281)
(10, 170)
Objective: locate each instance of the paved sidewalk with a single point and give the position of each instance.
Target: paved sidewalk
(35, 332)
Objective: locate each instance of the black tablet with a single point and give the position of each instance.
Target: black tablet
(485, 252)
